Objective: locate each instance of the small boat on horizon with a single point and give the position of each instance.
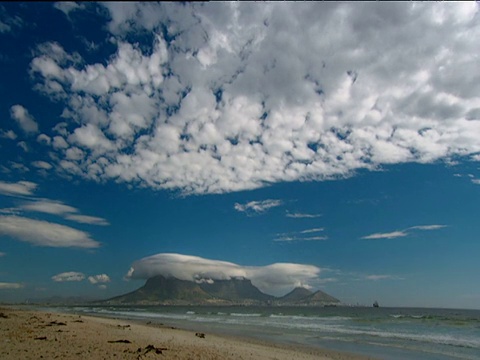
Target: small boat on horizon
(375, 304)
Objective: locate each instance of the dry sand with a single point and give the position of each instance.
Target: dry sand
(40, 335)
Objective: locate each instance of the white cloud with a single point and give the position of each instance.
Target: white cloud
(43, 233)
(61, 128)
(309, 231)
(303, 215)
(390, 235)
(8, 22)
(20, 188)
(102, 287)
(91, 137)
(44, 139)
(297, 238)
(18, 166)
(42, 165)
(471, 176)
(69, 276)
(101, 278)
(68, 6)
(257, 206)
(428, 227)
(23, 145)
(74, 153)
(48, 206)
(10, 286)
(276, 278)
(26, 121)
(26, 188)
(59, 143)
(4, 169)
(285, 238)
(223, 109)
(301, 236)
(314, 238)
(85, 219)
(8, 134)
(78, 276)
(59, 208)
(476, 181)
(402, 233)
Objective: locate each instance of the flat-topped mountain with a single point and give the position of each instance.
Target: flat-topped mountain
(160, 290)
(235, 289)
(163, 290)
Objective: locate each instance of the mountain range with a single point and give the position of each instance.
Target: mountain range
(160, 290)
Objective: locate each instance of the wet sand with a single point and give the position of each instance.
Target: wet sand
(26, 334)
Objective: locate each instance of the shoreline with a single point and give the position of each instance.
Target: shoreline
(35, 334)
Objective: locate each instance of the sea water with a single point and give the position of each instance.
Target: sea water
(383, 333)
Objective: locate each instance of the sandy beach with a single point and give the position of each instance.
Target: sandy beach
(26, 334)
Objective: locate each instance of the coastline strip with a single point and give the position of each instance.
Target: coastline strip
(30, 334)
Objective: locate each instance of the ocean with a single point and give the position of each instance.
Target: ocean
(383, 333)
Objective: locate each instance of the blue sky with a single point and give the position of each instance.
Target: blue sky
(332, 146)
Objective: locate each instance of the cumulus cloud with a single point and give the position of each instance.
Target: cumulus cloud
(24, 119)
(98, 279)
(20, 188)
(44, 233)
(78, 276)
(69, 276)
(8, 134)
(276, 278)
(257, 206)
(59, 143)
(42, 165)
(68, 6)
(223, 109)
(44, 139)
(10, 286)
(402, 233)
